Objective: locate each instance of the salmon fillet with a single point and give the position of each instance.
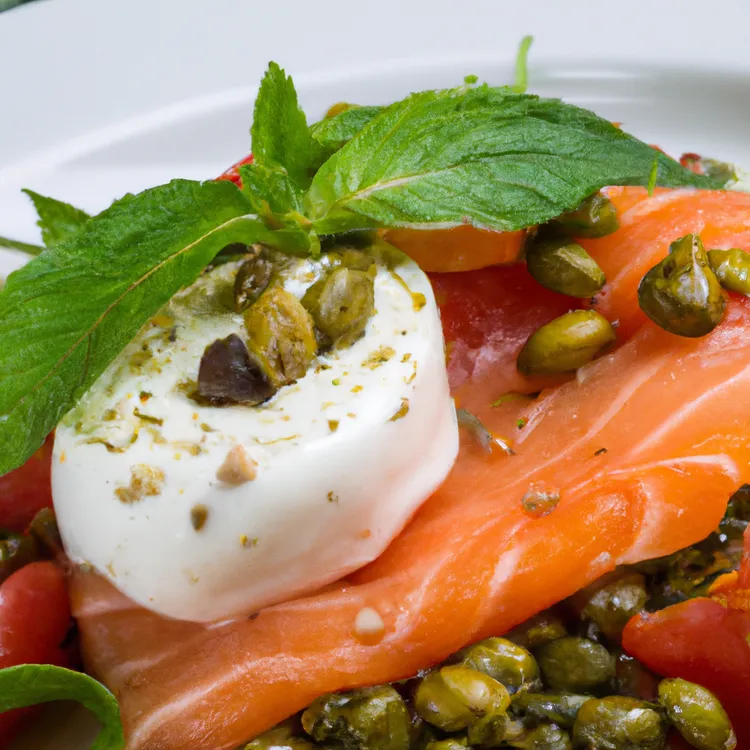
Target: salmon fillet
(643, 448)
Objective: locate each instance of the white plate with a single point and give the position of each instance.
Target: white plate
(110, 97)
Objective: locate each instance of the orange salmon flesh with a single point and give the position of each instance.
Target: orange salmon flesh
(644, 446)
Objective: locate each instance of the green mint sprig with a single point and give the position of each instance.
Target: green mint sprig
(484, 156)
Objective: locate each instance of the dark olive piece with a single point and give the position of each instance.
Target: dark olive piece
(46, 533)
(634, 679)
(681, 293)
(595, 217)
(575, 665)
(16, 550)
(228, 375)
(368, 719)
(253, 278)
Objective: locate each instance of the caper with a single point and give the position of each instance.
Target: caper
(619, 723)
(739, 504)
(368, 719)
(563, 266)
(280, 336)
(634, 679)
(454, 697)
(252, 279)
(558, 708)
(542, 737)
(16, 550)
(341, 303)
(566, 343)
(537, 630)
(575, 665)
(508, 663)
(595, 217)
(612, 601)
(350, 257)
(43, 528)
(281, 737)
(450, 744)
(491, 730)
(681, 293)
(697, 715)
(732, 269)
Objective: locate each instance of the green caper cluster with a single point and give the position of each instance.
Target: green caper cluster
(683, 293)
(558, 681)
(282, 333)
(40, 541)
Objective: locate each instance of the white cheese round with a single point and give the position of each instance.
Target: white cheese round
(205, 513)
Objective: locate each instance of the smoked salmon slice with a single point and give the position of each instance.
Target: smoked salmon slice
(636, 457)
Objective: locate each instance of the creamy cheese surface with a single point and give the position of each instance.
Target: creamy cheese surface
(203, 512)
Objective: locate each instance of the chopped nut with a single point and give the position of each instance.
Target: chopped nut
(145, 481)
(237, 468)
(199, 516)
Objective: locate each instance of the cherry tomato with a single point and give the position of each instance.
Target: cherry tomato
(704, 640)
(26, 490)
(233, 173)
(34, 622)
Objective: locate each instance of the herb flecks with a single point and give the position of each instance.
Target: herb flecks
(145, 481)
(402, 411)
(379, 357)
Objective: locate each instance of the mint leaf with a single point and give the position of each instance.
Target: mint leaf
(270, 189)
(483, 156)
(68, 313)
(280, 135)
(31, 684)
(334, 132)
(24, 247)
(57, 220)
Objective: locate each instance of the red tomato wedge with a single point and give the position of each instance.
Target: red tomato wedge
(26, 490)
(706, 641)
(34, 620)
(643, 448)
(487, 316)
